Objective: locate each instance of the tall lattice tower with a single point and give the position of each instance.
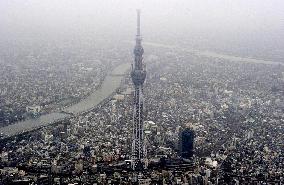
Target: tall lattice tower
(138, 75)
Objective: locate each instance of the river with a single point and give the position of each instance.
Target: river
(109, 85)
(211, 54)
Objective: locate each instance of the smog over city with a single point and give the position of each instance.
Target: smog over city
(142, 92)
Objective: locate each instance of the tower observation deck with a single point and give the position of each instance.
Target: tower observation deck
(138, 75)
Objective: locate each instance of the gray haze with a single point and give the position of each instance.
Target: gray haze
(241, 27)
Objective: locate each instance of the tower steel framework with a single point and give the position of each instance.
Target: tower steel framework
(138, 75)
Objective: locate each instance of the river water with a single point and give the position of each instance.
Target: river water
(211, 54)
(109, 85)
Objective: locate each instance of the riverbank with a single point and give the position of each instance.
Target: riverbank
(110, 84)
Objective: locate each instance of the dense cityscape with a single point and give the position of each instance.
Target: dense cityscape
(235, 109)
(50, 78)
(170, 115)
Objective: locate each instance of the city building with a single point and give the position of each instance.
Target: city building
(186, 142)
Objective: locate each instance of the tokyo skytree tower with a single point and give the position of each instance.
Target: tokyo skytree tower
(138, 75)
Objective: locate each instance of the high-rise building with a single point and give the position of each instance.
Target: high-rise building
(186, 142)
(138, 75)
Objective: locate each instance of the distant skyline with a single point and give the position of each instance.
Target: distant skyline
(255, 23)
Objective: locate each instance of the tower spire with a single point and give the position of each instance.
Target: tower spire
(138, 22)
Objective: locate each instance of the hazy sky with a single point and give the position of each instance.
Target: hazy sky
(259, 20)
